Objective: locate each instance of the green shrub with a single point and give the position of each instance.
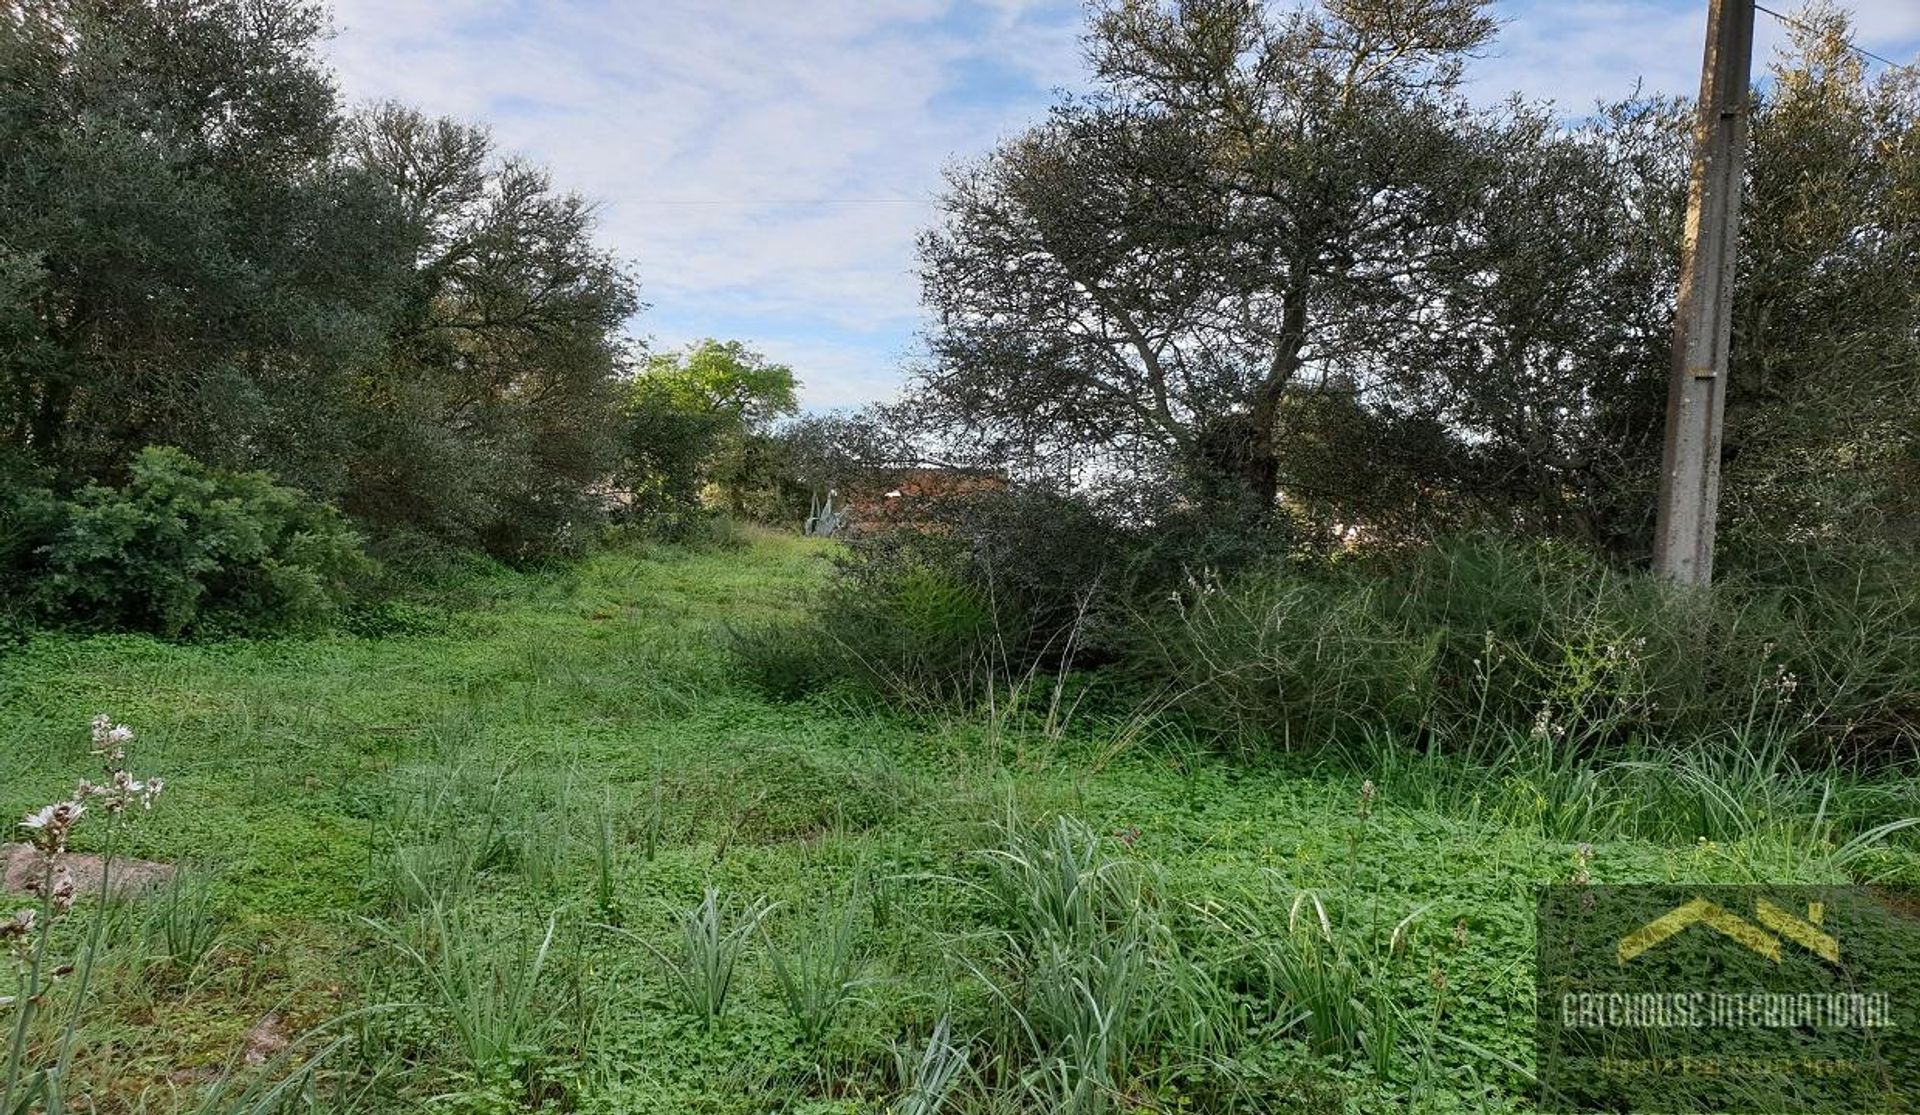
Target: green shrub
(910, 629)
(186, 549)
(988, 588)
(1461, 642)
(916, 633)
(30, 516)
(695, 528)
(1475, 639)
(784, 660)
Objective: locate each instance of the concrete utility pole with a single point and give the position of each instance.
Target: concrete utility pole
(1697, 396)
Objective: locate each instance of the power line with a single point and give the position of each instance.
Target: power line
(1856, 48)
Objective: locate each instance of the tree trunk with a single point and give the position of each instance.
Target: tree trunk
(1237, 463)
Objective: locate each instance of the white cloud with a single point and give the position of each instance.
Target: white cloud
(1590, 50)
(735, 106)
(1577, 52)
(741, 104)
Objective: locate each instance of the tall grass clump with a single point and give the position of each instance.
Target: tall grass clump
(445, 828)
(1094, 976)
(821, 974)
(486, 985)
(930, 1074)
(1334, 984)
(183, 924)
(1476, 639)
(979, 593)
(519, 1002)
(919, 638)
(700, 967)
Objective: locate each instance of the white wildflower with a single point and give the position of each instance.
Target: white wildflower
(63, 892)
(47, 827)
(1582, 857)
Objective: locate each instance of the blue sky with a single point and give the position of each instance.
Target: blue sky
(765, 164)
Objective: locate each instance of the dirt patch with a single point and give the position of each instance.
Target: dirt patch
(267, 1040)
(20, 871)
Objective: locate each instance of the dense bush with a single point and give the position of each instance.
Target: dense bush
(986, 588)
(29, 516)
(382, 309)
(1466, 641)
(186, 549)
(1477, 638)
(693, 527)
(917, 634)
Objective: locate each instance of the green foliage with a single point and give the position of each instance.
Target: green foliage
(701, 968)
(1824, 384)
(722, 378)
(186, 549)
(990, 589)
(487, 985)
(1099, 979)
(929, 1074)
(1478, 638)
(704, 418)
(204, 251)
(573, 735)
(820, 975)
(492, 412)
(166, 231)
(684, 525)
(30, 516)
(917, 633)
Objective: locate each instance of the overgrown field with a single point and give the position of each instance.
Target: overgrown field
(548, 853)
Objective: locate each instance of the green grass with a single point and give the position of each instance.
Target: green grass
(468, 852)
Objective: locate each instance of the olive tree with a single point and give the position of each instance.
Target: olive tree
(1238, 214)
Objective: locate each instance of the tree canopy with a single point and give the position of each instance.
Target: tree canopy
(200, 248)
(1276, 258)
(705, 417)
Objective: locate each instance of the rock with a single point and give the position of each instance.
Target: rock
(20, 871)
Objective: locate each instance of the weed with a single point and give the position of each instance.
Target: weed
(485, 983)
(822, 974)
(1335, 983)
(929, 1077)
(700, 970)
(184, 923)
(1098, 976)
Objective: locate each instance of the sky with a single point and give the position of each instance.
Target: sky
(765, 165)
